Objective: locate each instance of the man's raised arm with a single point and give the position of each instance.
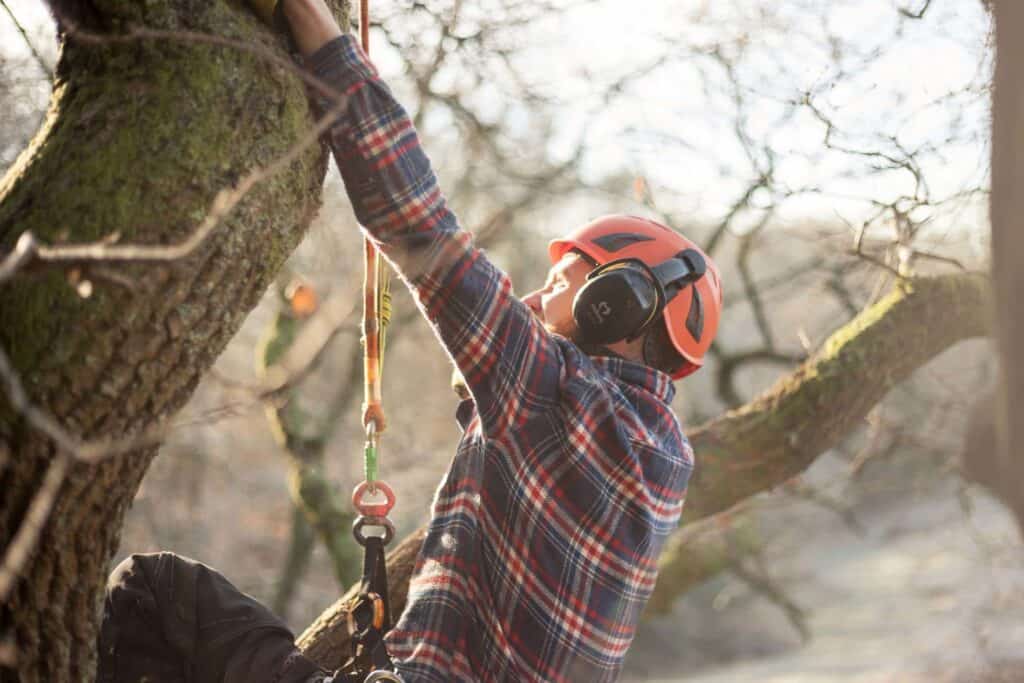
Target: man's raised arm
(510, 362)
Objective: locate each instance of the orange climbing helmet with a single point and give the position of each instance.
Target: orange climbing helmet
(691, 313)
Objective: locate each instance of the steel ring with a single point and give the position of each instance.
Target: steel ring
(382, 675)
(384, 522)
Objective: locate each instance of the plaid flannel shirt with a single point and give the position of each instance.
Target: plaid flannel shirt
(571, 471)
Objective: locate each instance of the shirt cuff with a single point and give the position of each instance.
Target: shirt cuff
(342, 63)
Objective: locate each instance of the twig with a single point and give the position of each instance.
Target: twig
(870, 449)
(917, 253)
(878, 262)
(296, 365)
(799, 488)
(753, 297)
(27, 536)
(302, 356)
(23, 252)
(29, 248)
(919, 14)
(46, 68)
(764, 585)
(730, 363)
(37, 418)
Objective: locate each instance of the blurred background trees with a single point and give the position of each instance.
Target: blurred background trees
(823, 152)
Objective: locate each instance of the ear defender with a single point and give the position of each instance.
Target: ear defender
(622, 298)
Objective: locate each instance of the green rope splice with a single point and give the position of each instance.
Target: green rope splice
(370, 461)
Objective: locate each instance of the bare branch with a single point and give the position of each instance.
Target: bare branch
(919, 14)
(760, 582)
(917, 253)
(46, 68)
(29, 249)
(302, 356)
(27, 536)
(799, 488)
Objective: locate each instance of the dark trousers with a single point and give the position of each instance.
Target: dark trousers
(168, 619)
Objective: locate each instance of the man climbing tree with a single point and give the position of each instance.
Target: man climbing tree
(572, 469)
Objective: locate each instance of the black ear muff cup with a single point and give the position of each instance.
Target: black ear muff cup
(622, 298)
(618, 301)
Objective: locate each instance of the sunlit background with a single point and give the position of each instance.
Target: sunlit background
(817, 149)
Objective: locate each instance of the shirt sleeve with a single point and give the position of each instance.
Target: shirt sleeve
(510, 362)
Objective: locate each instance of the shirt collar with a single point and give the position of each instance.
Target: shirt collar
(639, 375)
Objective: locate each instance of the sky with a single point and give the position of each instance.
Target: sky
(888, 84)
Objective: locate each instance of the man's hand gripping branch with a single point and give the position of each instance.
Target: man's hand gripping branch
(311, 22)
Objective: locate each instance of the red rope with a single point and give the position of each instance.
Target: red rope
(372, 410)
(364, 24)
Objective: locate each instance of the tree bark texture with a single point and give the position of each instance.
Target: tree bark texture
(140, 136)
(769, 440)
(1007, 211)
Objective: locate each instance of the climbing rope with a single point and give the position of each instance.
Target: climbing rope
(376, 316)
(369, 612)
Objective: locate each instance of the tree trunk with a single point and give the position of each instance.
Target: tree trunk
(141, 135)
(1008, 242)
(772, 438)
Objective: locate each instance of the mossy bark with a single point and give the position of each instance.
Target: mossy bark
(772, 438)
(140, 136)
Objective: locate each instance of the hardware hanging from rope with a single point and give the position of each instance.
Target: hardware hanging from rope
(370, 611)
(376, 316)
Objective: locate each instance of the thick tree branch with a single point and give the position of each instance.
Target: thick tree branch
(778, 434)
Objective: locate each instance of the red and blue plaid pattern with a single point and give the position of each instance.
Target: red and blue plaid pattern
(571, 471)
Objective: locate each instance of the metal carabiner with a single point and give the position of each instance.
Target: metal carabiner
(382, 675)
(376, 622)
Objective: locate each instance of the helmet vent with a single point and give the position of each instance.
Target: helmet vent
(620, 240)
(695, 318)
